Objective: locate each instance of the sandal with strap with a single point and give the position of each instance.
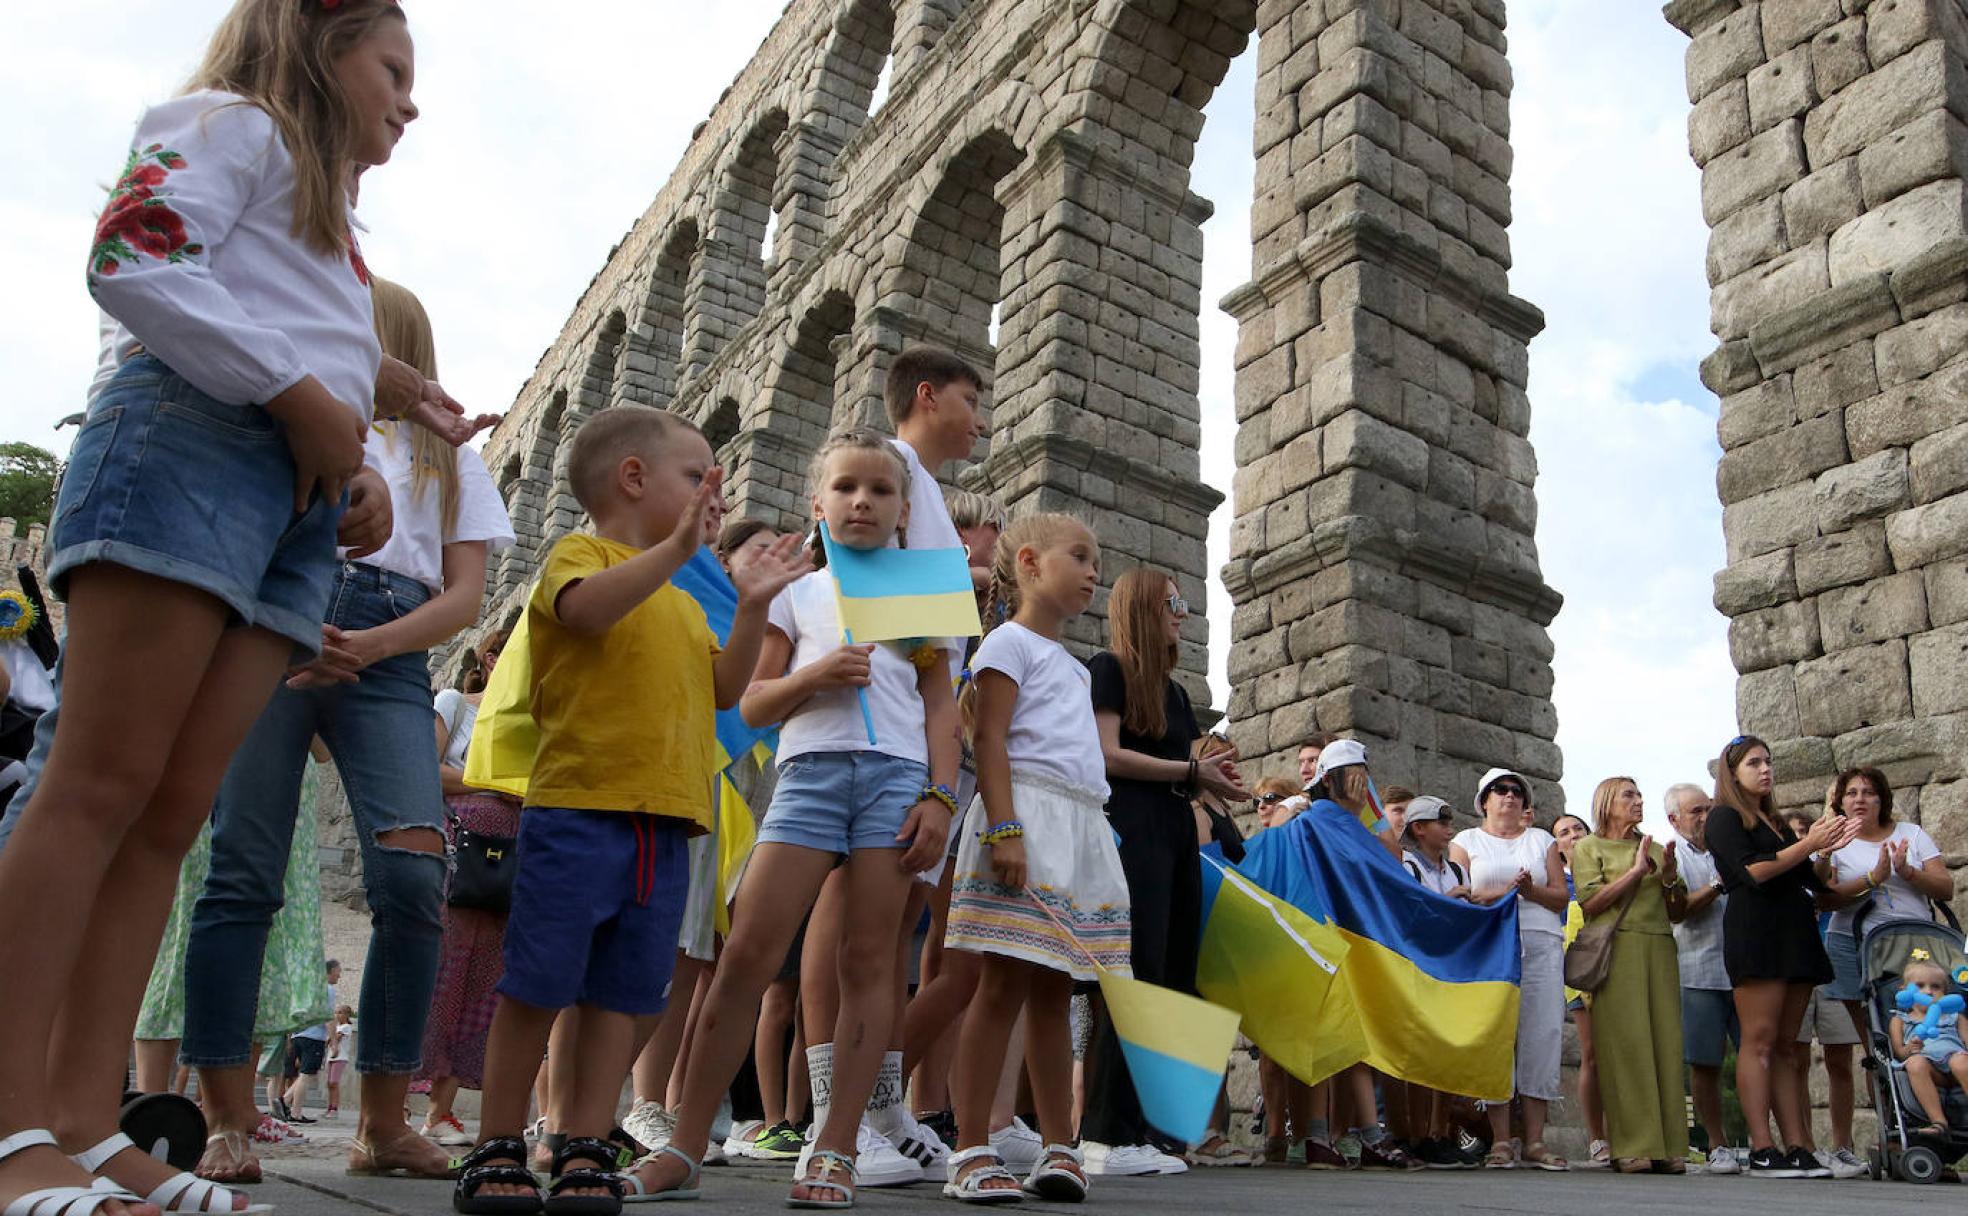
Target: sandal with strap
(598, 1152)
(1052, 1178)
(820, 1170)
(1535, 1154)
(499, 1162)
(1502, 1156)
(58, 1200)
(968, 1186)
(1218, 1151)
(639, 1192)
(181, 1192)
(245, 1167)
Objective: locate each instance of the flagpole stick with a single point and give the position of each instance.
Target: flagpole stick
(847, 635)
(1070, 935)
(861, 694)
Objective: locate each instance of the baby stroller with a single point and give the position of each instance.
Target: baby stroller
(1885, 948)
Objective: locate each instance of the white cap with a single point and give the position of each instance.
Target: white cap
(1495, 775)
(1338, 754)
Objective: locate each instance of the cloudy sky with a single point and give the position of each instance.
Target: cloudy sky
(543, 139)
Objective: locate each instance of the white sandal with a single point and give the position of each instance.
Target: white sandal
(188, 1191)
(969, 1188)
(1050, 1179)
(59, 1200)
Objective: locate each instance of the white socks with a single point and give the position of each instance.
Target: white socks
(885, 1107)
(820, 1076)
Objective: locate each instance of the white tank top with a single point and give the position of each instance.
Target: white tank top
(1494, 861)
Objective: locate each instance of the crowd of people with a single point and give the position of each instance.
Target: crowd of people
(269, 515)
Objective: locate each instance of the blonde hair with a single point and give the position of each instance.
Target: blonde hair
(610, 437)
(404, 329)
(969, 509)
(854, 439)
(1002, 599)
(1933, 971)
(1602, 803)
(280, 56)
(1276, 785)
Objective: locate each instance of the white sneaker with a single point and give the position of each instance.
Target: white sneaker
(650, 1124)
(1121, 1160)
(919, 1142)
(714, 1154)
(876, 1163)
(740, 1142)
(1166, 1163)
(1019, 1146)
(1723, 1160)
(1844, 1163)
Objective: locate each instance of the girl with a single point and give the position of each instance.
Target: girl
(1622, 874)
(193, 540)
(369, 698)
(1940, 1057)
(1771, 947)
(886, 805)
(470, 958)
(1034, 914)
(341, 1049)
(1147, 734)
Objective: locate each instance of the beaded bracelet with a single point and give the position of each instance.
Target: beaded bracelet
(1010, 829)
(942, 793)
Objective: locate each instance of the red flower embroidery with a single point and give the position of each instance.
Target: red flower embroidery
(355, 260)
(138, 220)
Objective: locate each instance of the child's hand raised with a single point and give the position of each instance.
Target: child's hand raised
(848, 667)
(772, 569)
(925, 832)
(688, 535)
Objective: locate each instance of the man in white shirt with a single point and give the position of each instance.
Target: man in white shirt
(1708, 1012)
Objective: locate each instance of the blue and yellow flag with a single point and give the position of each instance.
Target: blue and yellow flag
(703, 579)
(1176, 1048)
(1428, 986)
(889, 594)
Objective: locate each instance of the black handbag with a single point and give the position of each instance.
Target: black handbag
(482, 869)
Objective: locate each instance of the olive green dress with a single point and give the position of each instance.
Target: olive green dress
(1636, 1014)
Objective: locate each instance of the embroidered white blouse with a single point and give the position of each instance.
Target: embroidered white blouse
(196, 261)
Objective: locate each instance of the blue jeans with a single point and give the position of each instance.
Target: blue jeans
(379, 731)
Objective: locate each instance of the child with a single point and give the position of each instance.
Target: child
(193, 541)
(1930, 1060)
(1039, 773)
(341, 1049)
(886, 804)
(1429, 827)
(626, 675)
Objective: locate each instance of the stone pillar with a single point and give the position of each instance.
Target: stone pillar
(1382, 561)
(1833, 168)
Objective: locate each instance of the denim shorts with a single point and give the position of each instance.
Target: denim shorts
(1844, 951)
(597, 904)
(1708, 1025)
(169, 482)
(839, 802)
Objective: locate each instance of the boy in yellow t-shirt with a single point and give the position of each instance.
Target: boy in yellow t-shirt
(626, 678)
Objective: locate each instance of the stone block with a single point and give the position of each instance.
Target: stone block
(1823, 322)
(1863, 489)
(1790, 455)
(1794, 22)
(1932, 280)
(1751, 236)
(1823, 202)
(1894, 233)
(1790, 281)
(1913, 751)
(1836, 380)
(1758, 168)
(1894, 27)
(1888, 97)
(1929, 533)
(1947, 592)
(1765, 408)
(1855, 688)
(1922, 346)
(1769, 521)
(1356, 439)
(1724, 51)
(1944, 816)
(1730, 368)
(1931, 148)
(1891, 607)
(1764, 581)
(1939, 464)
(1838, 55)
(1719, 121)
(1780, 89)
(1939, 663)
(1899, 416)
(1840, 560)
(1766, 703)
(1771, 637)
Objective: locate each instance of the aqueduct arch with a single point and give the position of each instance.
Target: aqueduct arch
(1030, 163)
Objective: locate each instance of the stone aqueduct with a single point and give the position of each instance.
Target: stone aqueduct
(1022, 195)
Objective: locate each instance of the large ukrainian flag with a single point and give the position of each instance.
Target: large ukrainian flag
(1428, 986)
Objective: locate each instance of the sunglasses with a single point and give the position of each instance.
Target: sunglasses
(1178, 605)
(1507, 789)
(1272, 799)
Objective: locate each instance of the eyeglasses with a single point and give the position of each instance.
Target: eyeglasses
(1272, 799)
(1178, 605)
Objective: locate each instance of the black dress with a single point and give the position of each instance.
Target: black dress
(1769, 929)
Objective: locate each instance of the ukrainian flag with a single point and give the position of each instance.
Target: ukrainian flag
(703, 579)
(890, 594)
(1176, 1048)
(1428, 985)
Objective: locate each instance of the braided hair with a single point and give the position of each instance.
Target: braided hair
(1003, 596)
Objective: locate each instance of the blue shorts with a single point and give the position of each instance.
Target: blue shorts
(596, 906)
(839, 802)
(169, 482)
(1708, 1026)
(1844, 951)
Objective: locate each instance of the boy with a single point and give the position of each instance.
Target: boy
(626, 675)
(1429, 824)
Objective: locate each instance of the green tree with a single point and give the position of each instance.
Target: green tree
(27, 483)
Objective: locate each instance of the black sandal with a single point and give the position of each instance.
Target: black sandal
(500, 1162)
(599, 1153)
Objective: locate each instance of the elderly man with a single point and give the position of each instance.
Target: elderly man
(1708, 1013)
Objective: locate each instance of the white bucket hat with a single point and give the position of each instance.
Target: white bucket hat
(1495, 775)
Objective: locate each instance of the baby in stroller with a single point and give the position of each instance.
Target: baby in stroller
(1936, 1054)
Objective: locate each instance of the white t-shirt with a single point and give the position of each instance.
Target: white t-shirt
(1052, 729)
(458, 716)
(1494, 862)
(930, 527)
(341, 1040)
(418, 535)
(830, 720)
(1895, 897)
(196, 260)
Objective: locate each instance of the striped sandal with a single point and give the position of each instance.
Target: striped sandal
(58, 1200)
(181, 1192)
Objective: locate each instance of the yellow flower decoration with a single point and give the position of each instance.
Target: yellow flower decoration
(17, 615)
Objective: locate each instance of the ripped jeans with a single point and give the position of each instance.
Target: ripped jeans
(379, 731)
